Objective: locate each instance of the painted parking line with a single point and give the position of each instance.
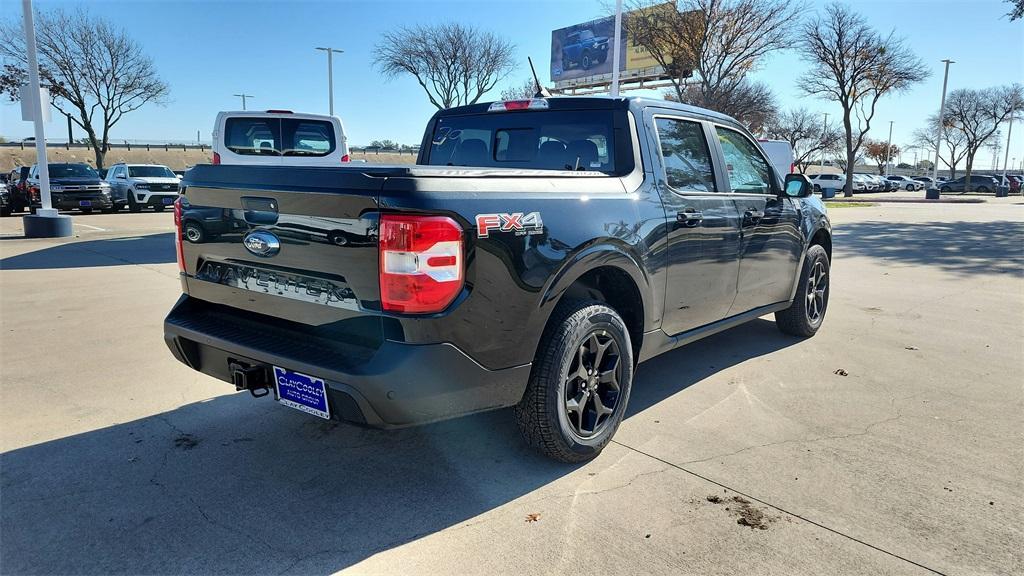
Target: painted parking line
(97, 228)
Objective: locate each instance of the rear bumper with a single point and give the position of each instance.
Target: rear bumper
(391, 385)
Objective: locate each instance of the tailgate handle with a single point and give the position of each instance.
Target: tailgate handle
(259, 210)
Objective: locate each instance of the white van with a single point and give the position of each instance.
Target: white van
(279, 137)
(781, 155)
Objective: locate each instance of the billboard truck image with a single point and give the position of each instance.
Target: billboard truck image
(581, 55)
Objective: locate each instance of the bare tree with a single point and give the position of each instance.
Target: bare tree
(455, 64)
(881, 153)
(805, 132)
(854, 65)
(1016, 10)
(95, 72)
(722, 41)
(952, 150)
(977, 114)
(524, 90)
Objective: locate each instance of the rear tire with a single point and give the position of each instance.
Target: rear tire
(580, 382)
(193, 232)
(807, 311)
(158, 208)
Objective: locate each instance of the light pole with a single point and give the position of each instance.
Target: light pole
(243, 97)
(615, 54)
(823, 130)
(888, 150)
(1009, 133)
(942, 112)
(330, 76)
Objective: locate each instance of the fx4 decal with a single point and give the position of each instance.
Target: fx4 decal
(518, 222)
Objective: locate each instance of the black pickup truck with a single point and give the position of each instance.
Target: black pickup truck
(538, 251)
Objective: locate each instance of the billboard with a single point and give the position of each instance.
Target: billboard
(581, 55)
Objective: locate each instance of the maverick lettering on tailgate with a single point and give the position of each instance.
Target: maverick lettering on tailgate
(303, 288)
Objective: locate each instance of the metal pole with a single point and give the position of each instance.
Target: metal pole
(888, 150)
(37, 110)
(330, 76)
(244, 97)
(1009, 133)
(823, 130)
(942, 112)
(615, 54)
(70, 139)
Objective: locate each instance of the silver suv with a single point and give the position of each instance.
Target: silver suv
(140, 185)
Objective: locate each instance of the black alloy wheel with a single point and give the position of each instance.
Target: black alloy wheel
(591, 390)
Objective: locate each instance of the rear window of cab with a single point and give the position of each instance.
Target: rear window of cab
(270, 136)
(575, 140)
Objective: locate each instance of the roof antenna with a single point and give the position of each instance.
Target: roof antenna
(542, 92)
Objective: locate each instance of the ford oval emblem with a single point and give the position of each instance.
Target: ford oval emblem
(262, 243)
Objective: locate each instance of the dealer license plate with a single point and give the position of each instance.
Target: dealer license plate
(302, 392)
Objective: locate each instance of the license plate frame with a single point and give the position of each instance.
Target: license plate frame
(302, 392)
(167, 201)
(85, 203)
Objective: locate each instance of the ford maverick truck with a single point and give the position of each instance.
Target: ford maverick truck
(536, 254)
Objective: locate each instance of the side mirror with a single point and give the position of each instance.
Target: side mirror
(797, 186)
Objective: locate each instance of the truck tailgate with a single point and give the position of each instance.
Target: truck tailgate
(298, 244)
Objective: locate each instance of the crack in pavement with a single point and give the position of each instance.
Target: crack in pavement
(835, 531)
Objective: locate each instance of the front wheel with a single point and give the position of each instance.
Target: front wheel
(944, 189)
(580, 382)
(911, 187)
(586, 61)
(807, 311)
(133, 206)
(982, 190)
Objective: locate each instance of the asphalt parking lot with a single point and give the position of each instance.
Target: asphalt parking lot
(890, 443)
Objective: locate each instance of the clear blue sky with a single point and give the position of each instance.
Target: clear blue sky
(207, 51)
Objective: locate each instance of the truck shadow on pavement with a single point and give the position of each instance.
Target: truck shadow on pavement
(958, 247)
(146, 249)
(237, 485)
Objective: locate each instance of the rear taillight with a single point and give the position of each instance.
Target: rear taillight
(346, 158)
(178, 246)
(216, 158)
(420, 263)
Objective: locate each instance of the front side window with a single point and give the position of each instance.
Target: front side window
(748, 170)
(685, 152)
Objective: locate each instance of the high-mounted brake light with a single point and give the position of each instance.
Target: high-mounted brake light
(420, 263)
(216, 158)
(279, 112)
(509, 105)
(179, 247)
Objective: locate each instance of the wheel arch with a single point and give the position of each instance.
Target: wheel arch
(606, 273)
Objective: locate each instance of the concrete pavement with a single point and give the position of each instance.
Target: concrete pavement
(116, 459)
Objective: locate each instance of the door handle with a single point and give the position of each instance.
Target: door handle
(690, 217)
(753, 216)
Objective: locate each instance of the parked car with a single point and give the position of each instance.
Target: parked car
(73, 186)
(17, 188)
(585, 49)
(279, 137)
(979, 183)
(905, 182)
(834, 181)
(534, 255)
(926, 182)
(780, 152)
(138, 186)
(869, 182)
(5, 200)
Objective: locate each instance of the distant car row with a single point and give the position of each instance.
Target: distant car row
(870, 182)
(78, 186)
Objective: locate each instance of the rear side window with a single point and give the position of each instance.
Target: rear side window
(253, 135)
(685, 152)
(747, 168)
(582, 140)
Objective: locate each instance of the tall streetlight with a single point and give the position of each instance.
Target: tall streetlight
(888, 150)
(243, 97)
(942, 113)
(615, 47)
(330, 76)
(1009, 133)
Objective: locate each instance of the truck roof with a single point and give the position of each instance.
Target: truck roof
(601, 103)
